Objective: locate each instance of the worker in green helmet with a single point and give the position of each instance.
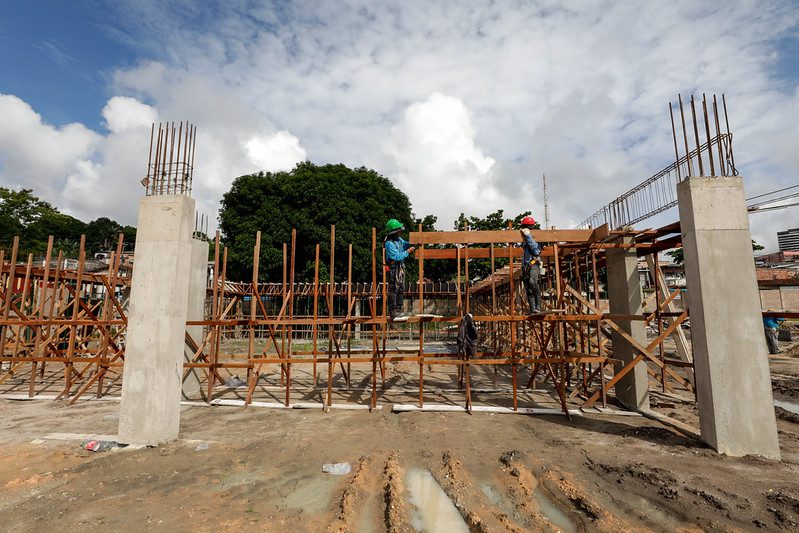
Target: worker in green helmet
(397, 250)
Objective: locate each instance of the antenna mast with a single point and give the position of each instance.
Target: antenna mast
(546, 204)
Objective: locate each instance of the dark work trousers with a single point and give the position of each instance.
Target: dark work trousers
(530, 275)
(396, 288)
(771, 340)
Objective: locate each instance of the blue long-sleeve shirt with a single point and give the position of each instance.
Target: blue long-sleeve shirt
(396, 249)
(773, 322)
(531, 249)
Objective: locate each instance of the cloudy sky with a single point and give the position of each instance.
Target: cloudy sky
(463, 104)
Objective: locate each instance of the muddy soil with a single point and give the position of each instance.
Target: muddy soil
(262, 470)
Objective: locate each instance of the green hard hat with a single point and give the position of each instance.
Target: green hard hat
(394, 225)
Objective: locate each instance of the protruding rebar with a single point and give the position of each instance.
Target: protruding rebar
(170, 168)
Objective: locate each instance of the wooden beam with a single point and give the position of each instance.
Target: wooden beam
(498, 236)
(599, 234)
(474, 253)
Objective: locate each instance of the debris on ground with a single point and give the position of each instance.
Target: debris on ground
(339, 469)
(100, 445)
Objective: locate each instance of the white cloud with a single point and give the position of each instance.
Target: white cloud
(36, 155)
(122, 113)
(275, 152)
(434, 159)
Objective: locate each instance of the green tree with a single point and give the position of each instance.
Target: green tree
(101, 235)
(129, 239)
(309, 198)
(677, 256)
(19, 209)
(64, 229)
(34, 220)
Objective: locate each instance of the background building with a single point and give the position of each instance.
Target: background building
(788, 240)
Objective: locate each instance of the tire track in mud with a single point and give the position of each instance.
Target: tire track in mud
(477, 511)
(395, 515)
(586, 510)
(520, 484)
(352, 500)
(599, 518)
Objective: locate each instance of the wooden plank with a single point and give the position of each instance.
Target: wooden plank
(680, 340)
(599, 234)
(474, 253)
(498, 236)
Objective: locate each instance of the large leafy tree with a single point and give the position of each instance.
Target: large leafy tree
(309, 198)
(18, 210)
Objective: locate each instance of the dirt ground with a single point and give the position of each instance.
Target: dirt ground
(262, 470)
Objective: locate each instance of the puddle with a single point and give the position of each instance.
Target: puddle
(788, 406)
(432, 511)
(553, 514)
(550, 511)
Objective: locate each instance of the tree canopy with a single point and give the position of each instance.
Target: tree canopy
(22, 213)
(309, 198)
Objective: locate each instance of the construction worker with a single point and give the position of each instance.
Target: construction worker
(397, 250)
(771, 325)
(531, 265)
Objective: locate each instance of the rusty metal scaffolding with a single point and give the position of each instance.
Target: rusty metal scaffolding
(568, 344)
(62, 318)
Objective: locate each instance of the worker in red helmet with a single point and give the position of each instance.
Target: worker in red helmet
(531, 265)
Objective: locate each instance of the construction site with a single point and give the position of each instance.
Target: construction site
(288, 405)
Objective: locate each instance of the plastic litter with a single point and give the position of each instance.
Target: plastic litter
(338, 469)
(203, 446)
(235, 382)
(100, 445)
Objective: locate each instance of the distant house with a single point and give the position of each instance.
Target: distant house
(673, 273)
(779, 288)
(779, 260)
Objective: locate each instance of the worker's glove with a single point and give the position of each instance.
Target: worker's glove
(526, 232)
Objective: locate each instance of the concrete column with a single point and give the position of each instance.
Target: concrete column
(736, 406)
(198, 279)
(624, 293)
(151, 381)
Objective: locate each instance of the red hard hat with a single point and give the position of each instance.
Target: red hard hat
(528, 221)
